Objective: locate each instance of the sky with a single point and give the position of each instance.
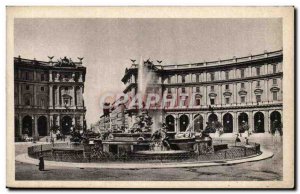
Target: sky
(107, 45)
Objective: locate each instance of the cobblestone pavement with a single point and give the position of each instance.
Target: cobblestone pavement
(269, 169)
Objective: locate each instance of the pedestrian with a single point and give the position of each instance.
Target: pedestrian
(237, 139)
(41, 164)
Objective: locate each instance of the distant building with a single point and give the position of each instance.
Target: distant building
(233, 91)
(48, 94)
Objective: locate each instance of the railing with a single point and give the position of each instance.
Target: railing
(49, 152)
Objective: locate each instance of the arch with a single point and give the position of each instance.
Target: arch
(259, 122)
(198, 123)
(183, 122)
(243, 122)
(42, 126)
(66, 124)
(275, 122)
(27, 125)
(228, 123)
(170, 122)
(212, 118)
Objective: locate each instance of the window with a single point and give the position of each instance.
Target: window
(227, 100)
(242, 99)
(197, 101)
(42, 77)
(257, 71)
(183, 90)
(242, 73)
(27, 101)
(169, 90)
(42, 88)
(227, 75)
(198, 89)
(274, 68)
(258, 98)
(212, 101)
(227, 87)
(27, 87)
(212, 88)
(258, 83)
(66, 89)
(42, 102)
(242, 85)
(274, 81)
(26, 76)
(274, 95)
(212, 76)
(169, 80)
(197, 77)
(183, 79)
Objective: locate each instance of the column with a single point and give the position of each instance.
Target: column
(266, 121)
(266, 90)
(50, 96)
(57, 96)
(20, 93)
(219, 94)
(251, 121)
(235, 126)
(34, 95)
(73, 96)
(177, 123)
(51, 121)
(73, 120)
(234, 94)
(250, 93)
(20, 125)
(57, 120)
(204, 96)
(35, 130)
(50, 76)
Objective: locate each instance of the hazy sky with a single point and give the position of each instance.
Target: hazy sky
(108, 44)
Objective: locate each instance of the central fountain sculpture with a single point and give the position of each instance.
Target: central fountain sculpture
(148, 136)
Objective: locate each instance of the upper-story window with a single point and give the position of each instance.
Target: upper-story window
(212, 101)
(212, 76)
(227, 100)
(242, 85)
(242, 99)
(274, 95)
(42, 77)
(27, 101)
(169, 90)
(227, 75)
(257, 71)
(198, 89)
(258, 83)
(274, 81)
(227, 87)
(183, 90)
(258, 98)
(197, 77)
(274, 68)
(183, 78)
(42, 88)
(26, 76)
(242, 73)
(27, 87)
(212, 88)
(169, 80)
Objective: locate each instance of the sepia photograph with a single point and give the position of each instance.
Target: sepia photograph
(128, 99)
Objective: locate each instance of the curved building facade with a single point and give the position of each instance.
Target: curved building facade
(233, 91)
